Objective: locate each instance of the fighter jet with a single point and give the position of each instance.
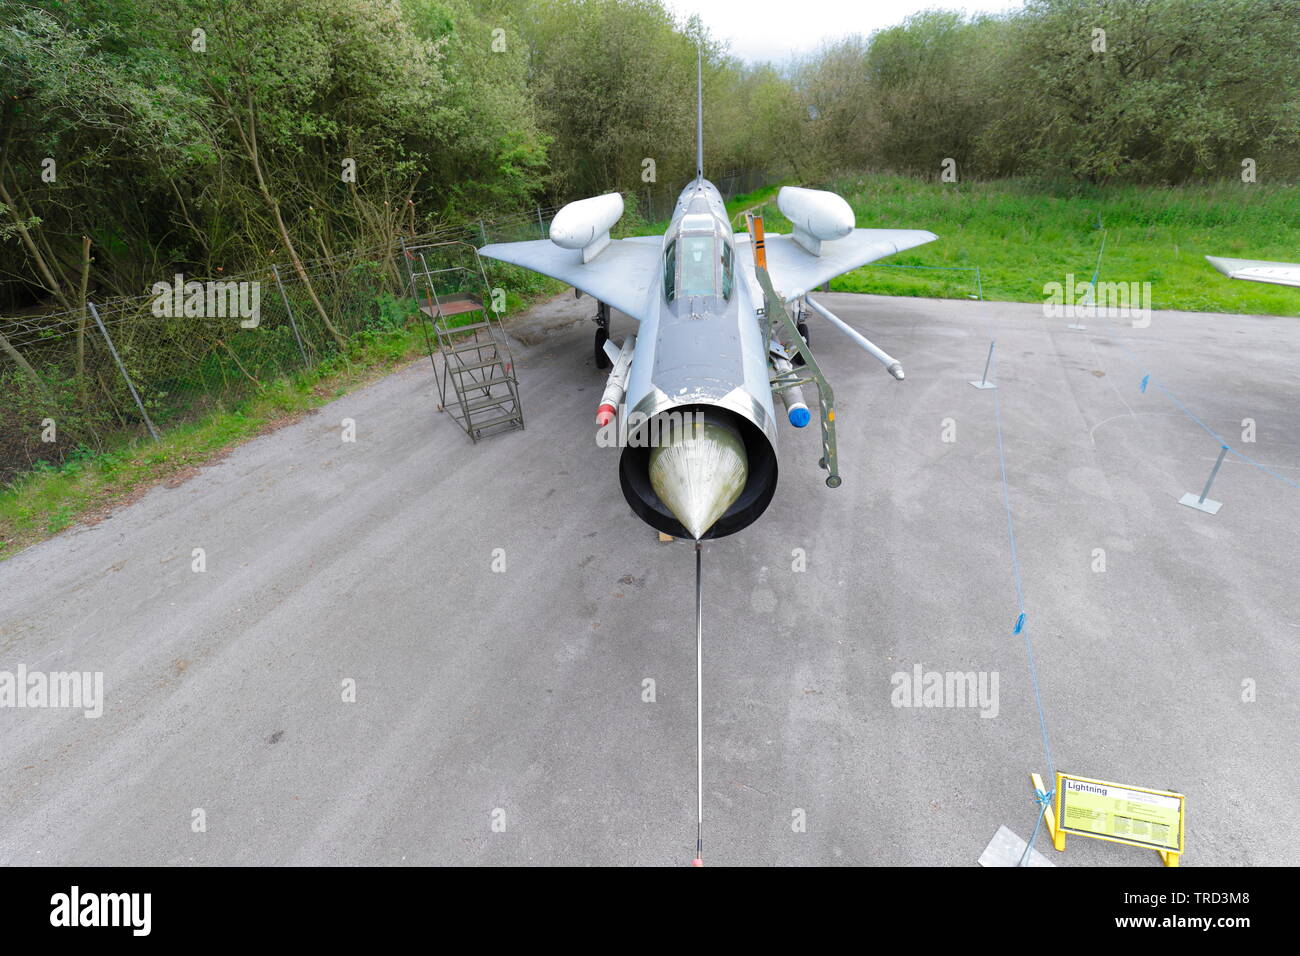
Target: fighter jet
(716, 341)
(709, 342)
(1258, 270)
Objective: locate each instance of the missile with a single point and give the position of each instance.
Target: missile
(795, 407)
(616, 385)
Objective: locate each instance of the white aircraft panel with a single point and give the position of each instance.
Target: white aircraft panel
(794, 269)
(620, 276)
(1258, 270)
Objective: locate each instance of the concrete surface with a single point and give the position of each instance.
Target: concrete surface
(521, 691)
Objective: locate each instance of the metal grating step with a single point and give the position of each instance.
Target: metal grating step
(514, 416)
(486, 383)
(475, 404)
(469, 347)
(454, 329)
(461, 368)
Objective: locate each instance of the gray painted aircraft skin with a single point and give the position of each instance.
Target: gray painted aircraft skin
(701, 346)
(704, 345)
(696, 298)
(1258, 270)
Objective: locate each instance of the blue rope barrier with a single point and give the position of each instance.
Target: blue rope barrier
(1021, 625)
(1148, 380)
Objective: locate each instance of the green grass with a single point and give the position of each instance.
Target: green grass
(48, 499)
(1022, 236)
(44, 502)
(635, 225)
(755, 200)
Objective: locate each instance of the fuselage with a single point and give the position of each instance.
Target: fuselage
(701, 348)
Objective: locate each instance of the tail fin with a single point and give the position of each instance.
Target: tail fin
(699, 114)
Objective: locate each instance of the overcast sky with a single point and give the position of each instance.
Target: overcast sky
(774, 29)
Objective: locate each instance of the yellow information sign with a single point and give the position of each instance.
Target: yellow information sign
(1137, 816)
(1109, 811)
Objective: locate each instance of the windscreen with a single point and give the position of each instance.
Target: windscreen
(698, 256)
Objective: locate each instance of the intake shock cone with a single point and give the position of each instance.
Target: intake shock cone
(699, 469)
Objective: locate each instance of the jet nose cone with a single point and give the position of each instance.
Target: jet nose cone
(699, 470)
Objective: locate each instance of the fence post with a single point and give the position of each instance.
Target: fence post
(275, 270)
(1204, 503)
(541, 227)
(122, 368)
(984, 378)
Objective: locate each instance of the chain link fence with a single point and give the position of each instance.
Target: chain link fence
(80, 382)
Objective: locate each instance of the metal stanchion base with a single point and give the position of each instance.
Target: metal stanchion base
(1193, 500)
(1006, 849)
(983, 384)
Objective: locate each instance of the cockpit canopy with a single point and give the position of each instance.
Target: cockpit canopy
(698, 260)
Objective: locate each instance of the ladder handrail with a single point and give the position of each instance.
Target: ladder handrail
(467, 376)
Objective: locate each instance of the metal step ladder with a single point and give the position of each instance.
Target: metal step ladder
(476, 362)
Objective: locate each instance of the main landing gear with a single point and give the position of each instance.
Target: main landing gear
(602, 334)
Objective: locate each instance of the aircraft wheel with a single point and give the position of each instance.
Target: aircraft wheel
(602, 336)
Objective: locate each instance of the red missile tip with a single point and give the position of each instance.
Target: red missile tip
(604, 415)
(697, 862)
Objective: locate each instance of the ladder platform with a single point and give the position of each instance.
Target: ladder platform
(454, 305)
